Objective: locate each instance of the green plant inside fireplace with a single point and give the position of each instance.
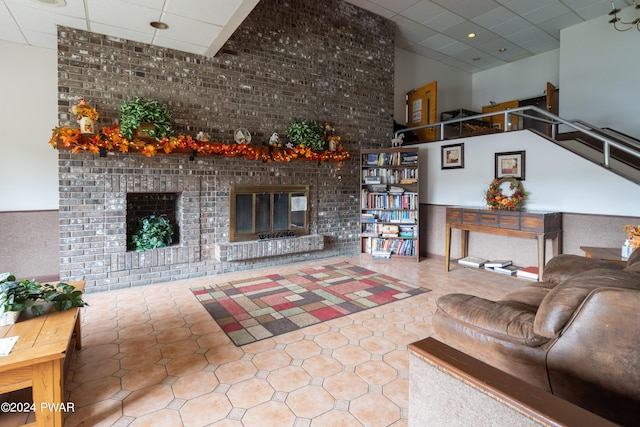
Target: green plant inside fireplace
(153, 231)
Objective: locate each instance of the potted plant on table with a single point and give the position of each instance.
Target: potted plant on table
(155, 115)
(17, 296)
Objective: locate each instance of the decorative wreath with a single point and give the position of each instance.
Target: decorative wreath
(497, 200)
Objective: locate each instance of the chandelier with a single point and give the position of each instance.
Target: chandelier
(618, 22)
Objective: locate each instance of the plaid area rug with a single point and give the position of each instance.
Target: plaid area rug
(254, 309)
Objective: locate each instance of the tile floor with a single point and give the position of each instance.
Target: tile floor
(152, 356)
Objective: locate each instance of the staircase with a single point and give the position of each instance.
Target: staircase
(612, 150)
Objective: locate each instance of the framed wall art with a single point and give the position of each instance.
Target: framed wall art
(452, 156)
(510, 164)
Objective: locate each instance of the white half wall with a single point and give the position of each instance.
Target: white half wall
(28, 112)
(523, 79)
(557, 179)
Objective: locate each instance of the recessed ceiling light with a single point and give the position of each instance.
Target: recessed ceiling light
(55, 3)
(159, 25)
(502, 49)
(471, 35)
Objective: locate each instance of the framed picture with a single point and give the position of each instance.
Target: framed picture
(452, 156)
(510, 164)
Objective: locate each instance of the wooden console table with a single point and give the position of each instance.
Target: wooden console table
(37, 360)
(607, 254)
(524, 224)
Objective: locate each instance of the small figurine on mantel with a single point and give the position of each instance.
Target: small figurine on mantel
(86, 116)
(202, 137)
(397, 141)
(274, 141)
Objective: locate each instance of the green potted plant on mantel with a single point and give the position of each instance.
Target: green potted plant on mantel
(138, 111)
(17, 296)
(154, 231)
(306, 132)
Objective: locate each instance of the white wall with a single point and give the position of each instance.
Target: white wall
(599, 70)
(556, 179)
(28, 112)
(413, 71)
(523, 79)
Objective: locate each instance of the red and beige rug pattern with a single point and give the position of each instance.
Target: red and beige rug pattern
(253, 309)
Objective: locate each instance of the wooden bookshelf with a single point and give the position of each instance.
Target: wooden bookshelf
(389, 203)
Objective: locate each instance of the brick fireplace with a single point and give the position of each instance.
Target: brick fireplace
(327, 61)
(96, 195)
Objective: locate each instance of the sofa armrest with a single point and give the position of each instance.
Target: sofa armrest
(508, 322)
(596, 361)
(563, 300)
(564, 266)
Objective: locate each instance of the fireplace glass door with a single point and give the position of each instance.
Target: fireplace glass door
(266, 212)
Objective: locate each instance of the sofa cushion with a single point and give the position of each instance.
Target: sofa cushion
(564, 266)
(530, 296)
(503, 320)
(562, 301)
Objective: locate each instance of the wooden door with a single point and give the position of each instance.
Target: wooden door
(552, 103)
(422, 106)
(497, 121)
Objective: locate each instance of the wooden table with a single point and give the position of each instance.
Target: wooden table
(37, 360)
(607, 254)
(524, 224)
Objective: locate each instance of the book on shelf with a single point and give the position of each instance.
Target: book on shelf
(372, 180)
(381, 254)
(530, 272)
(509, 270)
(498, 263)
(390, 230)
(393, 189)
(471, 261)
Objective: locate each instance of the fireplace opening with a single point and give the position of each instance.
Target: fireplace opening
(261, 212)
(140, 205)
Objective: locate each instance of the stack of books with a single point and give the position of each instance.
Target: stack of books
(390, 230)
(471, 261)
(529, 273)
(509, 270)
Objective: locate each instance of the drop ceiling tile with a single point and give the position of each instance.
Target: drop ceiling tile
(555, 24)
(494, 17)
(188, 30)
(179, 45)
(463, 29)
(592, 11)
(40, 20)
(454, 48)
(152, 4)
(45, 40)
(468, 9)
(511, 26)
(461, 65)
(546, 12)
(372, 7)
(122, 14)
(396, 5)
(73, 8)
(215, 12)
(527, 34)
(437, 42)
(521, 7)
(444, 21)
(123, 33)
(541, 45)
(9, 30)
(411, 30)
(424, 11)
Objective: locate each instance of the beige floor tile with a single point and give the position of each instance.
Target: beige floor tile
(153, 356)
(194, 385)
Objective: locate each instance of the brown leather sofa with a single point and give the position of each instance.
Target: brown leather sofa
(576, 333)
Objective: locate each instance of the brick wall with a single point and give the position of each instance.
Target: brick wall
(287, 60)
